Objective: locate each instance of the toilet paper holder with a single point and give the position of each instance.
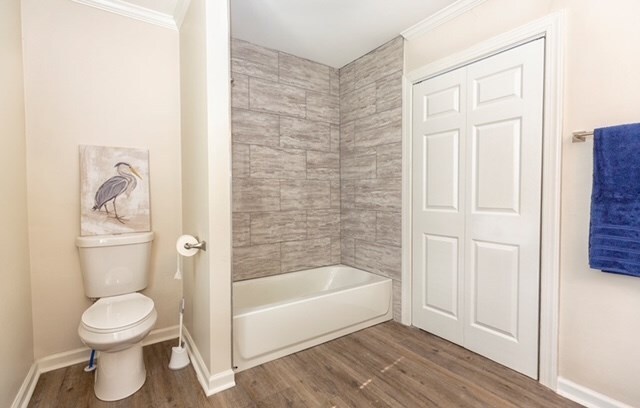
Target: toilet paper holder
(200, 245)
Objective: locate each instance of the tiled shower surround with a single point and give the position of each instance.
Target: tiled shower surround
(316, 162)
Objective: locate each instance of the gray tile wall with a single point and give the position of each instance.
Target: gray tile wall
(316, 162)
(371, 163)
(286, 162)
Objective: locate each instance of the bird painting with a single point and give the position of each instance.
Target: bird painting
(114, 187)
(114, 190)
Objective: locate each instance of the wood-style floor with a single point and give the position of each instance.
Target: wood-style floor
(388, 365)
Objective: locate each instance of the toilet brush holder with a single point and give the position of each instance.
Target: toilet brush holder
(179, 358)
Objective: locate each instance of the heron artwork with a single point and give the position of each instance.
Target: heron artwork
(114, 187)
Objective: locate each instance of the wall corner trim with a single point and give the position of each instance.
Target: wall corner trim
(440, 17)
(586, 396)
(136, 12)
(211, 384)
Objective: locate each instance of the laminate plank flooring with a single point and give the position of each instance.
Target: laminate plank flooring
(388, 365)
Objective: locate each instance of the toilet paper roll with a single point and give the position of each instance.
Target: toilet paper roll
(186, 239)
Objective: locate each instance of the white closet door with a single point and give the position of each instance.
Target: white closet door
(503, 194)
(439, 139)
(477, 162)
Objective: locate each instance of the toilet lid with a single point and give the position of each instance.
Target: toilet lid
(115, 312)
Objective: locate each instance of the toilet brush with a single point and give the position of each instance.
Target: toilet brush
(179, 355)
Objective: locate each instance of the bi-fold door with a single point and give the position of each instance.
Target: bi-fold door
(477, 162)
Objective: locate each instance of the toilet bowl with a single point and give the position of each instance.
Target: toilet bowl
(115, 327)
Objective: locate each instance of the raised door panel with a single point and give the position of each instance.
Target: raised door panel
(438, 217)
(502, 238)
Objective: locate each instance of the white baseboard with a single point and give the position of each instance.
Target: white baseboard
(586, 396)
(71, 357)
(27, 387)
(160, 335)
(211, 384)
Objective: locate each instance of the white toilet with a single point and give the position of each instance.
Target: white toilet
(114, 268)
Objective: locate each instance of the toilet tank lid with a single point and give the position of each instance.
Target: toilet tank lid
(114, 240)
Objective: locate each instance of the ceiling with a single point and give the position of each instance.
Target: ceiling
(333, 32)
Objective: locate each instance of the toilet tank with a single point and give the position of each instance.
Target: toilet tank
(114, 264)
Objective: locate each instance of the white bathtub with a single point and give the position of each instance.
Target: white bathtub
(283, 314)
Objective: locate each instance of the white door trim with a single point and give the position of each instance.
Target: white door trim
(551, 28)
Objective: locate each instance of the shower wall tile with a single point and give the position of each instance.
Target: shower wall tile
(323, 165)
(305, 134)
(335, 250)
(286, 162)
(381, 259)
(389, 228)
(274, 97)
(359, 224)
(359, 103)
(347, 78)
(323, 107)
(271, 227)
(389, 92)
(255, 127)
(371, 163)
(379, 63)
(335, 194)
(240, 91)
(240, 160)
(396, 289)
(253, 60)
(256, 261)
(347, 137)
(348, 251)
(305, 194)
(277, 163)
(304, 74)
(379, 194)
(312, 253)
(323, 223)
(241, 224)
(348, 193)
(334, 81)
(250, 195)
(335, 138)
(389, 160)
(381, 128)
(358, 164)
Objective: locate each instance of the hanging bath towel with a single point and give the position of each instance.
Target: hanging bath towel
(614, 236)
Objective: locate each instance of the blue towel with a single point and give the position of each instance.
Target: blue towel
(614, 236)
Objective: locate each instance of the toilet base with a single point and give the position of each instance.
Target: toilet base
(119, 374)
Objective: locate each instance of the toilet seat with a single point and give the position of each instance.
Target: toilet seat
(117, 313)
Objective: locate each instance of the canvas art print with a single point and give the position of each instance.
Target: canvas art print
(114, 190)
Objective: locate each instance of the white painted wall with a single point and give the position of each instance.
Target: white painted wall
(599, 324)
(16, 344)
(92, 77)
(206, 182)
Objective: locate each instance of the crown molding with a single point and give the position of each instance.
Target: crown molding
(126, 9)
(448, 13)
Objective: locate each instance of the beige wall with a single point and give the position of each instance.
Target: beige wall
(93, 77)
(16, 345)
(599, 324)
(195, 173)
(206, 183)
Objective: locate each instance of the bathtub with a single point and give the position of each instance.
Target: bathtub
(283, 314)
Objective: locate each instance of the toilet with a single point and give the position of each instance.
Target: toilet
(114, 268)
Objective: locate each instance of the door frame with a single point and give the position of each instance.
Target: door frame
(552, 28)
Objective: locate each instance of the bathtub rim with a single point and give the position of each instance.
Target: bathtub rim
(246, 311)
